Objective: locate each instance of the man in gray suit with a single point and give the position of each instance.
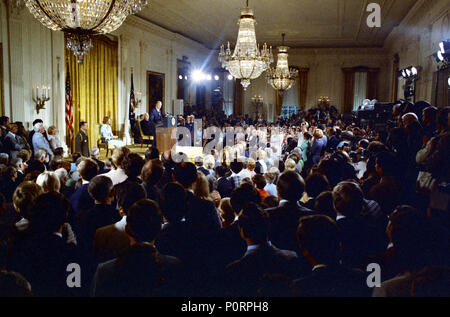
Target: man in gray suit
(12, 143)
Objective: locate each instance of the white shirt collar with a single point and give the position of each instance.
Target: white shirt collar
(9, 132)
(318, 266)
(120, 225)
(58, 234)
(257, 246)
(339, 217)
(282, 202)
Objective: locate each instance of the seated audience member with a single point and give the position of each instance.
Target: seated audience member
(4, 160)
(418, 244)
(271, 187)
(21, 168)
(314, 185)
(151, 173)
(80, 199)
(356, 235)
(42, 255)
(199, 164)
(201, 187)
(172, 240)
(151, 153)
(224, 186)
(226, 212)
(432, 281)
(95, 154)
(270, 202)
(243, 276)
(132, 166)
(324, 204)
(23, 200)
(8, 182)
(142, 270)
(260, 182)
(13, 284)
(319, 241)
(38, 162)
(117, 174)
(387, 192)
(201, 214)
(103, 213)
(231, 244)
(49, 182)
(11, 143)
(111, 241)
(284, 218)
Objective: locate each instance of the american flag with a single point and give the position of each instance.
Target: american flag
(69, 105)
(132, 99)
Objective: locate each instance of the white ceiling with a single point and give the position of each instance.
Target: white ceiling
(307, 23)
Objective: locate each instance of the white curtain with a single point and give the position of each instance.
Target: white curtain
(360, 91)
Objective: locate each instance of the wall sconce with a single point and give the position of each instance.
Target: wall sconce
(40, 96)
(323, 99)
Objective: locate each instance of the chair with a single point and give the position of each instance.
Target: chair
(150, 137)
(101, 141)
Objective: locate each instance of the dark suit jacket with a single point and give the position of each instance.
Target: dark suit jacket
(283, 222)
(81, 200)
(332, 281)
(155, 116)
(43, 261)
(355, 239)
(101, 166)
(148, 127)
(12, 146)
(82, 143)
(244, 277)
(224, 187)
(202, 216)
(141, 271)
(89, 220)
(203, 170)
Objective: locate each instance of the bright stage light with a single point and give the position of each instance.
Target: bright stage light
(230, 77)
(216, 77)
(208, 77)
(197, 75)
(180, 77)
(414, 71)
(449, 81)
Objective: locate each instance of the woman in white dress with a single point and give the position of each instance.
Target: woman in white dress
(107, 134)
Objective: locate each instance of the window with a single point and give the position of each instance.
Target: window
(360, 89)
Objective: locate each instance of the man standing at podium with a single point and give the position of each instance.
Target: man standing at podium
(155, 114)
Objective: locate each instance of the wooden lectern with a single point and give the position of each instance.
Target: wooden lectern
(164, 130)
(164, 141)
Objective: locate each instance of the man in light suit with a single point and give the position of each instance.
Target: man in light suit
(11, 143)
(155, 114)
(39, 140)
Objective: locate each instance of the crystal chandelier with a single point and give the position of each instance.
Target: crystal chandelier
(81, 19)
(247, 62)
(282, 77)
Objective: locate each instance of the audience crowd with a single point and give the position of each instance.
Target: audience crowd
(306, 218)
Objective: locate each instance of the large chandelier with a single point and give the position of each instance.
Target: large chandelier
(247, 62)
(81, 19)
(282, 77)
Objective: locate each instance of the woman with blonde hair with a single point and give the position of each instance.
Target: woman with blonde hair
(289, 165)
(49, 181)
(107, 134)
(226, 212)
(201, 187)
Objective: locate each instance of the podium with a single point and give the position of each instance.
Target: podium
(164, 141)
